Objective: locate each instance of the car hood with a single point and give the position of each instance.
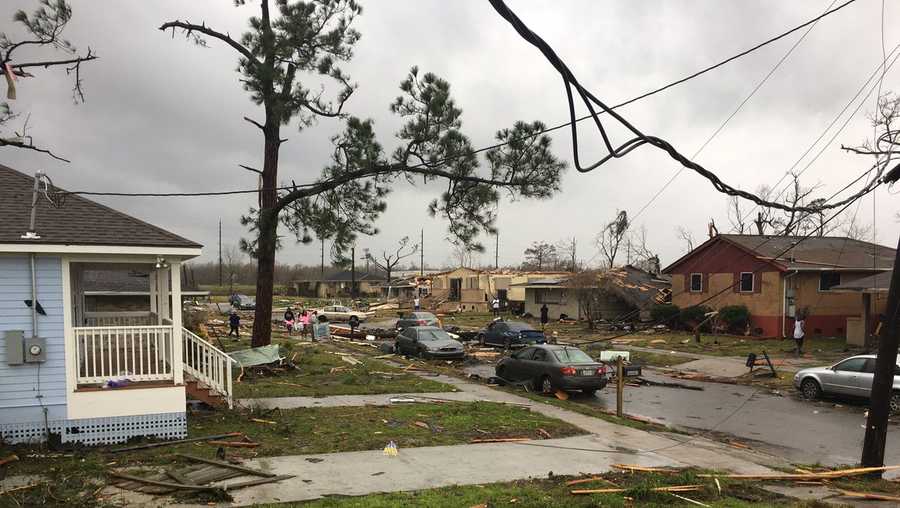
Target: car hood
(442, 343)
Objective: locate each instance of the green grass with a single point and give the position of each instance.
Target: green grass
(822, 349)
(552, 492)
(72, 480)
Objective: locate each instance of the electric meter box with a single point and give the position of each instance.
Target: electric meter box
(15, 353)
(35, 350)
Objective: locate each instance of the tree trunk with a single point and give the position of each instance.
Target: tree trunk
(267, 242)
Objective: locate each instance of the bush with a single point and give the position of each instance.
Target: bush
(693, 315)
(734, 317)
(665, 313)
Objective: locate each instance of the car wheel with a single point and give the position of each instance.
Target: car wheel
(895, 403)
(481, 339)
(547, 385)
(811, 390)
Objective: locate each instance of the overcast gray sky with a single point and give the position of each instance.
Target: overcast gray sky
(164, 115)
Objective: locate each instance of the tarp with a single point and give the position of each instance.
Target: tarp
(257, 356)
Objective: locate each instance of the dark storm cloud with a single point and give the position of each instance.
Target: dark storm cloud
(165, 115)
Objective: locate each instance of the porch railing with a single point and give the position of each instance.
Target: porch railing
(207, 364)
(132, 318)
(138, 353)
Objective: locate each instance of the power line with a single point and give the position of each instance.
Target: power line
(571, 122)
(638, 139)
(733, 114)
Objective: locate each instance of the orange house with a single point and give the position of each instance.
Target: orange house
(776, 277)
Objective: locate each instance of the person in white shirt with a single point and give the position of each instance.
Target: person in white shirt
(416, 303)
(799, 333)
(495, 306)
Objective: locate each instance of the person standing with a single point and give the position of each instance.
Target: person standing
(234, 325)
(495, 306)
(799, 333)
(544, 316)
(289, 320)
(416, 303)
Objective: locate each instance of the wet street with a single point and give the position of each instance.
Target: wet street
(801, 431)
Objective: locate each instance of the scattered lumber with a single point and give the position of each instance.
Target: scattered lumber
(689, 500)
(826, 475)
(643, 469)
(260, 420)
(21, 487)
(544, 433)
(158, 483)
(561, 395)
(7, 460)
(234, 444)
(500, 440)
(869, 495)
(584, 480)
(674, 488)
(258, 481)
(226, 465)
(176, 442)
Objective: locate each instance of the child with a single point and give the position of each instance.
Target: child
(304, 321)
(289, 320)
(234, 323)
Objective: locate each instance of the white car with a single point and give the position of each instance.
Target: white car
(342, 313)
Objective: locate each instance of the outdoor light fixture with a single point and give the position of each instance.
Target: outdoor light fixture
(161, 262)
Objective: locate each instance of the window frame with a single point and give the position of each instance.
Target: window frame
(836, 369)
(691, 282)
(741, 282)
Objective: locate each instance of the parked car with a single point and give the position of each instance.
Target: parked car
(550, 367)
(849, 377)
(418, 319)
(510, 333)
(342, 313)
(243, 302)
(428, 342)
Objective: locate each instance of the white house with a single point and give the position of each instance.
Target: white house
(57, 359)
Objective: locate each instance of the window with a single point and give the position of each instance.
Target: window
(546, 295)
(696, 282)
(869, 368)
(540, 355)
(828, 280)
(746, 282)
(851, 365)
(524, 354)
(572, 355)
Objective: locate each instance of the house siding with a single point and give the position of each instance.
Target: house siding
(21, 385)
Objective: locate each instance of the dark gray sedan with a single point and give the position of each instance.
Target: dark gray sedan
(428, 342)
(554, 367)
(418, 319)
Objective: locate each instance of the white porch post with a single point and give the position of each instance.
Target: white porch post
(177, 345)
(162, 292)
(154, 276)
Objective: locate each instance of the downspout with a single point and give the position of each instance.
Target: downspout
(784, 303)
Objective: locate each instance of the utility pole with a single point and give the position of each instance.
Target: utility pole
(353, 271)
(220, 252)
(882, 384)
(422, 253)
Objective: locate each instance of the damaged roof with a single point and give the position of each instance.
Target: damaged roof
(79, 221)
(637, 287)
(877, 283)
(807, 253)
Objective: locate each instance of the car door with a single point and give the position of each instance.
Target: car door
(516, 365)
(843, 379)
(863, 380)
(495, 333)
(539, 364)
(406, 341)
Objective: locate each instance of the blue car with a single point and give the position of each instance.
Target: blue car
(511, 334)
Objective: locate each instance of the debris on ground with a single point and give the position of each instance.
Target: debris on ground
(826, 475)
(391, 449)
(869, 495)
(7, 460)
(176, 442)
(647, 382)
(500, 440)
(644, 469)
(674, 488)
(195, 477)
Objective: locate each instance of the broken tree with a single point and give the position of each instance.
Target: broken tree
(312, 38)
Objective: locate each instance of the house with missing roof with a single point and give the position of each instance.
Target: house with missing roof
(780, 277)
(74, 374)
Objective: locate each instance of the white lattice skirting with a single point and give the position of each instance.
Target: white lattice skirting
(94, 431)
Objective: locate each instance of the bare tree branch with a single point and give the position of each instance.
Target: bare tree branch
(188, 28)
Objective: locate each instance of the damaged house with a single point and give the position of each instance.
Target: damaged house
(620, 294)
(83, 377)
(470, 290)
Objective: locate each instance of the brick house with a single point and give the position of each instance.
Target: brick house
(776, 277)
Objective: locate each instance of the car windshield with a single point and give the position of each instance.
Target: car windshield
(433, 334)
(519, 327)
(423, 315)
(572, 355)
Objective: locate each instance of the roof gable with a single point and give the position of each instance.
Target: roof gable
(79, 221)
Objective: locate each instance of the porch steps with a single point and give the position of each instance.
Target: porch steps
(198, 390)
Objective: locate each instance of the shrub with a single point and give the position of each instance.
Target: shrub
(693, 315)
(665, 313)
(734, 317)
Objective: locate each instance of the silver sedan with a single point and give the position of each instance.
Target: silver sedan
(849, 377)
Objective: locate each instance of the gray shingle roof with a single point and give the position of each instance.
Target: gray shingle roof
(817, 252)
(79, 222)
